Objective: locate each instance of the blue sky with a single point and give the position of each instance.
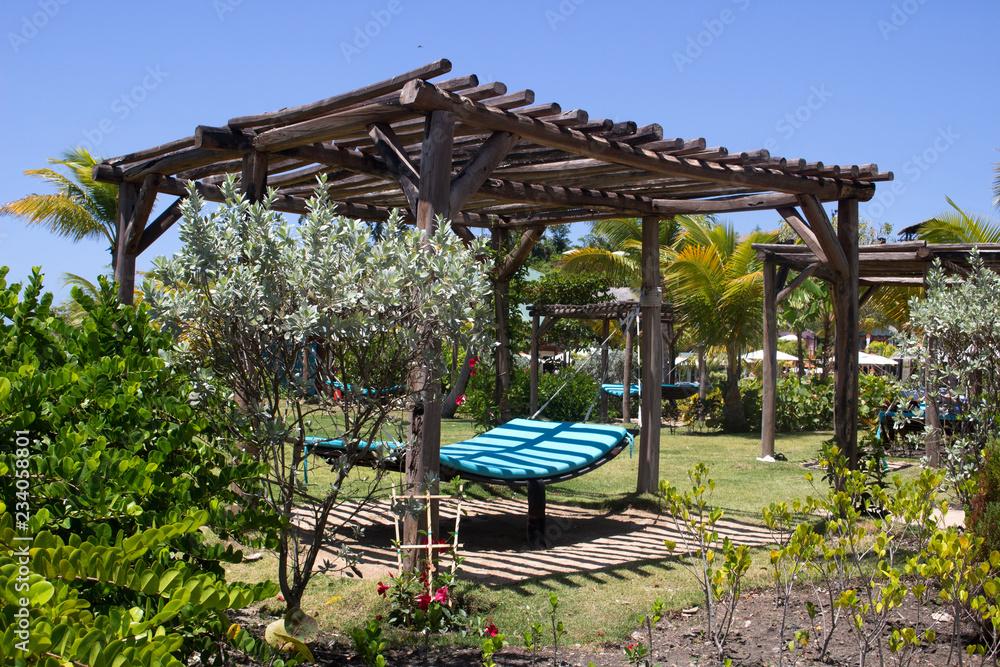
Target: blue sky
(908, 84)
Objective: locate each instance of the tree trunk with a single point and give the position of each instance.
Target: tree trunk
(449, 406)
(733, 418)
(802, 361)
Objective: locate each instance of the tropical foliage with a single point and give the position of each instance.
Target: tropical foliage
(113, 476)
(717, 288)
(319, 322)
(80, 209)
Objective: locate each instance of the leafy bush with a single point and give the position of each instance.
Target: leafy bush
(116, 473)
(984, 521)
(571, 403)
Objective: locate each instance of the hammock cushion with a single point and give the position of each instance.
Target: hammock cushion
(670, 391)
(531, 449)
(522, 449)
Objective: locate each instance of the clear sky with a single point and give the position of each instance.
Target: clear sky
(908, 84)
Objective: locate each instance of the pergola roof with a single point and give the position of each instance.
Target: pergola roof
(902, 263)
(515, 163)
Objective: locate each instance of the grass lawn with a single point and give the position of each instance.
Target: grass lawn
(603, 605)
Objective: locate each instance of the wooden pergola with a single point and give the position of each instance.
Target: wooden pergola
(543, 316)
(903, 264)
(486, 158)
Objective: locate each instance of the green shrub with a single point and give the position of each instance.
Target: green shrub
(116, 474)
(571, 403)
(984, 520)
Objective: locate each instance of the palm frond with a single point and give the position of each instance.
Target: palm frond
(959, 227)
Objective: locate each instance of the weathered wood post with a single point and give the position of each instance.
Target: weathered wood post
(605, 330)
(932, 416)
(651, 349)
(124, 264)
(627, 377)
(845, 388)
(534, 364)
(423, 459)
(501, 290)
(769, 389)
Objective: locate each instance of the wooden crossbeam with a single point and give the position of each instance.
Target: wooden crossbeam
(474, 174)
(397, 161)
(424, 96)
(338, 125)
(330, 104)
(510, 264)
(171, 163)
(821, 226)
(157, 227)
(794, 285)
(140, 214)
(801, 227)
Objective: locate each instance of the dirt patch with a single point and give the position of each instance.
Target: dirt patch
(680, 640)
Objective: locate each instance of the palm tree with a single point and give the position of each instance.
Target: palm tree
(81, 208)
(718, 284)
(959, 227)
(620, 260)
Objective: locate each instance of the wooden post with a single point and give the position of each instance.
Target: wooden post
(604, 369)
(534, 364)
(651, 349)
(627, 378)
(769, 390)
(536, 514)
(423, 459)
(932, 416)
(128, 196)
(501, 289)
(669, 367)
(845, 387)
(702, 375)
(253, 181)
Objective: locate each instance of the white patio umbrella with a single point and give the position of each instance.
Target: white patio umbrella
(789, 338)
(758, 355)
(865, 359)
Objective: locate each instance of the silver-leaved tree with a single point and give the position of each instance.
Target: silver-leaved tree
(315, 328)
(955, 338)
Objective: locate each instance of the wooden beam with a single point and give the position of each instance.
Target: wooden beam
(474, 174)
(156, 151)
(794, 285)
(331, 104)
(397, 161)
(769, 387)
(211, 138)
(868, 294)
(140, 214)
(343, 124)
(820, 225)
(435, 170)
(605, 330)
(124, 264)
(533, 378)
(801, 227)
(172, 163)
(845, 388)
(424, 96)
(253, 181)
(162, 223)
(652, 359)
(505, 269)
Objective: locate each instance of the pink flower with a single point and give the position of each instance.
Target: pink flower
(441, 594)
(473, 361)
(460, 400)
(423, 601)
(630, 647)
(382, 588)
(490, 630)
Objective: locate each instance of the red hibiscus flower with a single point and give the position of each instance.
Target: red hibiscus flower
(382, 588)
(441, 594)
(423, 601)
(460, 400)
(490, 630)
